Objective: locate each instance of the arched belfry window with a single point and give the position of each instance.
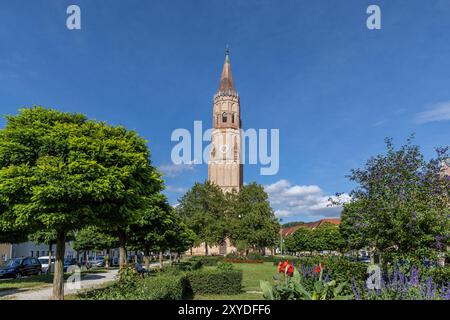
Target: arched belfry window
(224, 117)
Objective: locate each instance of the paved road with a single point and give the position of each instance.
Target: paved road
(88, 281)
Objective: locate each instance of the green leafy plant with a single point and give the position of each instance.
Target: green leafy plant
(295, 287)
(222, 265)
(215, 281)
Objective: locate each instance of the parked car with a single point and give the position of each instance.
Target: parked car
(69, 263)
(44, 262)
(98, 262)
(365, 259)
(19, 267)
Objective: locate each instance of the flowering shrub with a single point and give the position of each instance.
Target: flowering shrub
(294, 286)
(400, 286)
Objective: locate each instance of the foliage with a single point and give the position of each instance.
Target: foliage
(299, 241)
(324, 237)
(158, 287)
(224, 265)
(245, 216)
(400, 286)
(61, 172)
(253, 223)
(159, 228)
(202, 209)
(208, 260)
(294, 286)
(93, 238)
(400, 204)
(215, 281)
(337, 268)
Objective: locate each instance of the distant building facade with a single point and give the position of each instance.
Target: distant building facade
(31, 249)
(5, 252)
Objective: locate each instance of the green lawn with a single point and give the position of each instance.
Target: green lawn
(252, 274)
(25, 283)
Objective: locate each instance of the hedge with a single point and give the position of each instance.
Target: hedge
(215, 281)
(157, 287)
(207, 261)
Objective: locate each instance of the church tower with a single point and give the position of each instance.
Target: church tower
(224, 166)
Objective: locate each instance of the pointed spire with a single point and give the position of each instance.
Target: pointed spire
(226, 80)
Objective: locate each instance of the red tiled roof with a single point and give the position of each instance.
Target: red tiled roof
(312, 225)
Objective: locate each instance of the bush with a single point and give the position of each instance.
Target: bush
(440, 275)
(215, 281)
(186, 266)
(223, 265)
(207, 260)
(335, 268)
(164, 287)
(254, 256)
(158, 287)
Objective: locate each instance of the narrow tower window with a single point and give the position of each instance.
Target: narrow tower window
(232, 118)
(224, 117)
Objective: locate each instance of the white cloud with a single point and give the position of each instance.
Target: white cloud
(302, 201)
(437, 112)
(174, 170)
(173, 189)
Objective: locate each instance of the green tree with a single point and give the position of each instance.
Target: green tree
(204, 211)
(327, 237)
(299, 241)
(254, 224)
(49, 238)
(151, 232)
(93, 238)
(401, 203)
(61, 172)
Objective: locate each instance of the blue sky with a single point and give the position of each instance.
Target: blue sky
(310, 68)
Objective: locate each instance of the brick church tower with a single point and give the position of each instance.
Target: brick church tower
(224, 166)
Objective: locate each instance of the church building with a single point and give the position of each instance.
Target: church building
(224, 166)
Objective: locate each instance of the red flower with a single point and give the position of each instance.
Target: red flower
(282, 266)
(317, 269)
(290, 270)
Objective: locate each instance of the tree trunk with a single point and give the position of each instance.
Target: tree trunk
(191, 251)
(58, 277)
(170, 257)
(160, 259)
(147, 259)
(122, 250)
(50, 249)
(107, 258)
(85, 259)
(206, 248)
